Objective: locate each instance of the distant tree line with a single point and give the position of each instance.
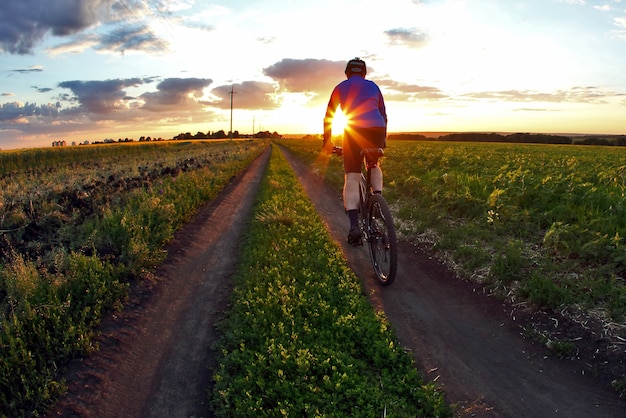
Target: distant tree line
(186, 136)
(223, 135)
(523, 138)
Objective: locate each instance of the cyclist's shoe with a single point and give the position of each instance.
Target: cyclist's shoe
(355, 237)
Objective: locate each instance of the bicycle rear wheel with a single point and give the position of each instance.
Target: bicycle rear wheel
(381, 238)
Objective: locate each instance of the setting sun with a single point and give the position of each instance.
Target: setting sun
(339, 122)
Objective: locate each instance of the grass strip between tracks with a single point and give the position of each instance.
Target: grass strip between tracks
(301, 339)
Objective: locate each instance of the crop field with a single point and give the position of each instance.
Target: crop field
(542, 225)
(77, 225)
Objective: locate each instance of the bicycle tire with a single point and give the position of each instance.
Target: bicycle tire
(381, 238)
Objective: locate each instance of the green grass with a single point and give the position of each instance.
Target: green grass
(301, 339)
(55, 288)
(518, 217)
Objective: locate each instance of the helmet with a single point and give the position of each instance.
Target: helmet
(356, 66)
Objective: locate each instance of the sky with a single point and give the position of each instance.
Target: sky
(89, 70)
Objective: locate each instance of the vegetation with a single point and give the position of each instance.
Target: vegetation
(540, 224)
(77, 225)
(223, 135)
(517, 138)
(301, 338)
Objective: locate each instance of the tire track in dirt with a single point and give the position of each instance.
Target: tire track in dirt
(463, 339)
(156, 356)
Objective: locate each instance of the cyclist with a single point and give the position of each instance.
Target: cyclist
(366, 127)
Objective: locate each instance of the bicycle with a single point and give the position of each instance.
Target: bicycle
(375, 221)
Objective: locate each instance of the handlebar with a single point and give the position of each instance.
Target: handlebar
(337, 150)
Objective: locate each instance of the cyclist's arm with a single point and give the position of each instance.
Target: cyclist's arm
(333, 104)
(381, 106)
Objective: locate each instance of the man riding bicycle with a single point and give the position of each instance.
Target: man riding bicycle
(364, 108)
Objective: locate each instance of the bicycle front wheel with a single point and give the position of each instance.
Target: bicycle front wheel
(381, 237)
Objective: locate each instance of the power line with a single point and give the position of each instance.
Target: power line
(156, 38)
(150, 5)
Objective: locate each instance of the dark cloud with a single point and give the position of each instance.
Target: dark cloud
(247, 95)
(16, 111)
(408, 37)
(176, 93)
(88, 106)
(34, 69)
(42, 89)
(129, 38)
(306, 75)
(25, 23)
(100, 96)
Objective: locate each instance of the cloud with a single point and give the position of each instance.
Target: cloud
(247, 95)
(77, 45)
(397, 91)
(100, 97)
(412, 38)
(33, 69)
(533, 109)
(18, 112)
(266, 39)
(42, 89)
(604, 7)
(131, 38)
(306, 75)
(575, 94)
(176, 93)
(105, 106)
(25, 23)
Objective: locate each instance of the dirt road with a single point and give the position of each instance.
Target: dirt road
(155, 356)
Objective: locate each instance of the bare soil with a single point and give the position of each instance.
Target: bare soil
(156, 356)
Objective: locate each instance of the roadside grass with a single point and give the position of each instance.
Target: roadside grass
(541, 225)
(301, 338)
(53, 291)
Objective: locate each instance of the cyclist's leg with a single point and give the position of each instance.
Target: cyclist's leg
(351, 197)
(376, 138)
(352, 162)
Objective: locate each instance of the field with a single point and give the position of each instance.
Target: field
(541, 225)
(78, 226)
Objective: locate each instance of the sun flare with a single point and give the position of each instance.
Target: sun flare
(339, 122)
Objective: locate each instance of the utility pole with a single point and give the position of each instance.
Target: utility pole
(253, 120)
(232, 92)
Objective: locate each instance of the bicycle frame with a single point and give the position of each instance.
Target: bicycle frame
(370, 160)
